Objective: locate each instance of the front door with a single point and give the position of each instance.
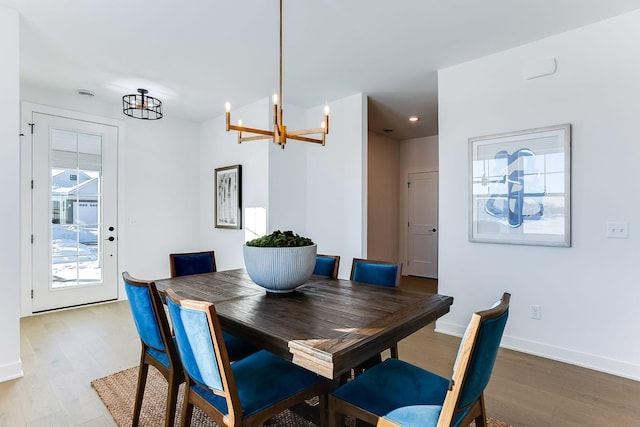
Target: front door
(422, 237)
(74, 218)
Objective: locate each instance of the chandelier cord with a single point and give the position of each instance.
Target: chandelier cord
(280, 94)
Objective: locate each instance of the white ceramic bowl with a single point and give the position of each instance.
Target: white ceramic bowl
(280, 270)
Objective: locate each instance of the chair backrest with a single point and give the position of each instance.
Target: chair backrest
(376, 272)
(185, 264)
(202, 351)
(476, 358)
(327, 265)
(149, 316)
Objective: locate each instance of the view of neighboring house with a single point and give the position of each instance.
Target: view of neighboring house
(74, 228)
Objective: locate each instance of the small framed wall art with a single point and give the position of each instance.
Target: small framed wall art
(228, 197)
(520, 187)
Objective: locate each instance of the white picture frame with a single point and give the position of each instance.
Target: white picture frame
(520, 187)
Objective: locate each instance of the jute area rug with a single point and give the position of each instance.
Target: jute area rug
(118, 392)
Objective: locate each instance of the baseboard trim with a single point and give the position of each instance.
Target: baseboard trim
(11, 371)
(595, 362)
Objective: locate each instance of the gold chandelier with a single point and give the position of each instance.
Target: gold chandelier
(279, 134)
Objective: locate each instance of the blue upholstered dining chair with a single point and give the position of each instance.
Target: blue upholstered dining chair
(376, 273)
(158, 347)
(327, 265)
(396, 393)
(245, 393)
(186, 264)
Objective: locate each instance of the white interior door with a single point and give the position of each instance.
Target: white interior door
(422, 230)
(74, 219)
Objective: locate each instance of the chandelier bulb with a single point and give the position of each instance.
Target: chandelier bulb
(326, 109)
(227, 106)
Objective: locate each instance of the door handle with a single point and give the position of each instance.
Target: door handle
(434, 230)
(110, 238)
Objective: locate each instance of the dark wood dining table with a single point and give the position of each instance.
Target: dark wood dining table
(327, 326)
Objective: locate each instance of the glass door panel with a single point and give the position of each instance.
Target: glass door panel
(76, 256)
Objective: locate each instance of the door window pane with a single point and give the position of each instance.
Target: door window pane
(76, 254)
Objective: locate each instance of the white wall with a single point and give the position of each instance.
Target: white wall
(10, 364)
(219, 148)
(383, 198)
(416, 155)
(337, 182)
(589, 293)
(162, 194)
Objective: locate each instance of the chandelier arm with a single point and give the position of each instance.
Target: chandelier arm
(251, 130)
(255, 138)
(304, 138)
(305, 132)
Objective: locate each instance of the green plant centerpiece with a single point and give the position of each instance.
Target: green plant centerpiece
(280, 261)
(280, 239)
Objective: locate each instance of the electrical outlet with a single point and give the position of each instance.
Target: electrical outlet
(617, 230)
(536, 312)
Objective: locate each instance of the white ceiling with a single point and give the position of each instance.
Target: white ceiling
(196, 54)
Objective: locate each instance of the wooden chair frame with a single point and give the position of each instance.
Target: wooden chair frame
(478, 411)
(235, 417)
(174, 255)
(336, 265)
(339, 408)
(174, 374)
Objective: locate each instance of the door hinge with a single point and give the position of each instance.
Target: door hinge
(32, 238)
(408, 184)
(408, 224)
(32, 184)
(31, 293)
(32, 125)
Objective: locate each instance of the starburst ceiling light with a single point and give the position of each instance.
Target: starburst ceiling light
(142, 106)
(279, 134)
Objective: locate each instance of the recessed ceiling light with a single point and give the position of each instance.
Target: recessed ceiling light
(414, 118)
(85, 92)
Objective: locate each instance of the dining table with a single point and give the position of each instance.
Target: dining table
(326, 325)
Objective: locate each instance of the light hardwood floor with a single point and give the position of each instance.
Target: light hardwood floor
(62, 352)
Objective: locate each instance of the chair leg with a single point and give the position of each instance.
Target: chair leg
(187, 408)
(335, 419)
(142, 381)
(172, 399)
(394, 351)
(322, 407)
(481, 420)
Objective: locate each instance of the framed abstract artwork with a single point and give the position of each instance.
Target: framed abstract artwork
(228, 197)
(520, 187)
